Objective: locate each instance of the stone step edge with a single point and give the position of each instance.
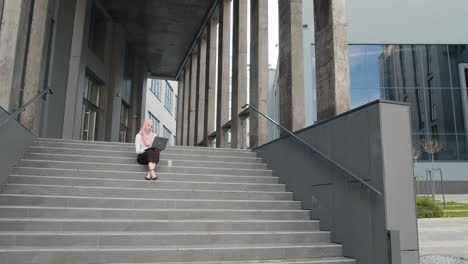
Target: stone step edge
(136, 164)
(152, 233)
(138, 189)
(140, 180)
(177, 248)
(150, 209)
(112, 157)
(144, 199)
(106, 220)
(132, 145)
(264, 261)
(142, 172)
(125, 143)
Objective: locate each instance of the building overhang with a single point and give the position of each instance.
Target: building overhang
(163, 32)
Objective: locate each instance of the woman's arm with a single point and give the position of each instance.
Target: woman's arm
(138, 148)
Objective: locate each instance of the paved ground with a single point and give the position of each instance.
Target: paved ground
(445, 236)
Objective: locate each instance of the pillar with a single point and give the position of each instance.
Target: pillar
(186, 119)
(222, 107)
(291, 65)
(13, 48)
(210, 85)
(201, 75)
(239, 70)
(180, 109)
(37, 60)
(258, 71)
(331, 58)
(193, 100)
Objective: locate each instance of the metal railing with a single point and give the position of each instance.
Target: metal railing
(316, 150)
(23, 107)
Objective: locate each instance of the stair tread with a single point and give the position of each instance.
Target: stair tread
(153, 233)
(140, 180)
(268, 261)
(145, 199)
(150, 209)
(175, 247)
(28, 219)
(139, 188)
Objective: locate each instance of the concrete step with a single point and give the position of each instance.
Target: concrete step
(141, 183)
(107, 164)
(131, 148)
(152, 225)
(178, 167)
(121, 213)
(132, 144)
(156, 239)
(106, 202)
(150, 193)
(272, 261)
(140, 175)
(44, 153)
(166, 254)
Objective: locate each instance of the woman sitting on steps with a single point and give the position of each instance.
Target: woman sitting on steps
(146, 155)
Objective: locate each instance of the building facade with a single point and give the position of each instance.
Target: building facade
(160, 97)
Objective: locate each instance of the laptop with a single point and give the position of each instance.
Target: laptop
(159, 143)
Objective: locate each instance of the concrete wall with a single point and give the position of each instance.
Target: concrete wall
(454, 173)
(14, 141)
(373, 142)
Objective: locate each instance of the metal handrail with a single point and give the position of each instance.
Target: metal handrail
(315, 150)
(23, 107)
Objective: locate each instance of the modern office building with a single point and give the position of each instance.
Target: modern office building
(160, 97)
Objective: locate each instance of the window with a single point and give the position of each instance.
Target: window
(155, 87)
(90, 109)
(168, 98)
(124, 122)
(166, 133)
(155, 123)
(175, 107)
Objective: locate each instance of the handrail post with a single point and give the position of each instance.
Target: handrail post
(314, 149)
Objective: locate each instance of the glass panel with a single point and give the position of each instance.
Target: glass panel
(462, 146)
(449, 149)
(458, 54)
(364, 61)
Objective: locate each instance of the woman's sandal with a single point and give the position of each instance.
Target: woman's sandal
(156, 176)
(146, 177)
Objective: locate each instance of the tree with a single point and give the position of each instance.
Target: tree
(431, 146)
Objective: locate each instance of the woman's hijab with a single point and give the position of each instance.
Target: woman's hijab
(147, 136)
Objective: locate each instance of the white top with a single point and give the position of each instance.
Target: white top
(139, 145)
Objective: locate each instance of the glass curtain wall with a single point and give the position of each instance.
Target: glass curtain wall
(428, 77)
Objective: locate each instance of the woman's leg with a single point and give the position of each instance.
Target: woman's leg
(152, 153)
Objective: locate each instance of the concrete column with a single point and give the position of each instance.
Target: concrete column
(13, 46)
(186, 118)
(36, 64)
(76, 74)
(331, 58)
(180, 109)
(210, 85)
(239, 70)
(201, 91)
(193, 100)
(291, 65)
(222, 107)
(258, 71)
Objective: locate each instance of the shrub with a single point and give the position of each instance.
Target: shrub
(426, 208)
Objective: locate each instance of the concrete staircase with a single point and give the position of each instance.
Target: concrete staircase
(86, 202)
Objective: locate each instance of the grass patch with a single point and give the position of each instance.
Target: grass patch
(426, 208)
(455, 214)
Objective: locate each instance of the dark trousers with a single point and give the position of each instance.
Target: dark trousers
(150, 155)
